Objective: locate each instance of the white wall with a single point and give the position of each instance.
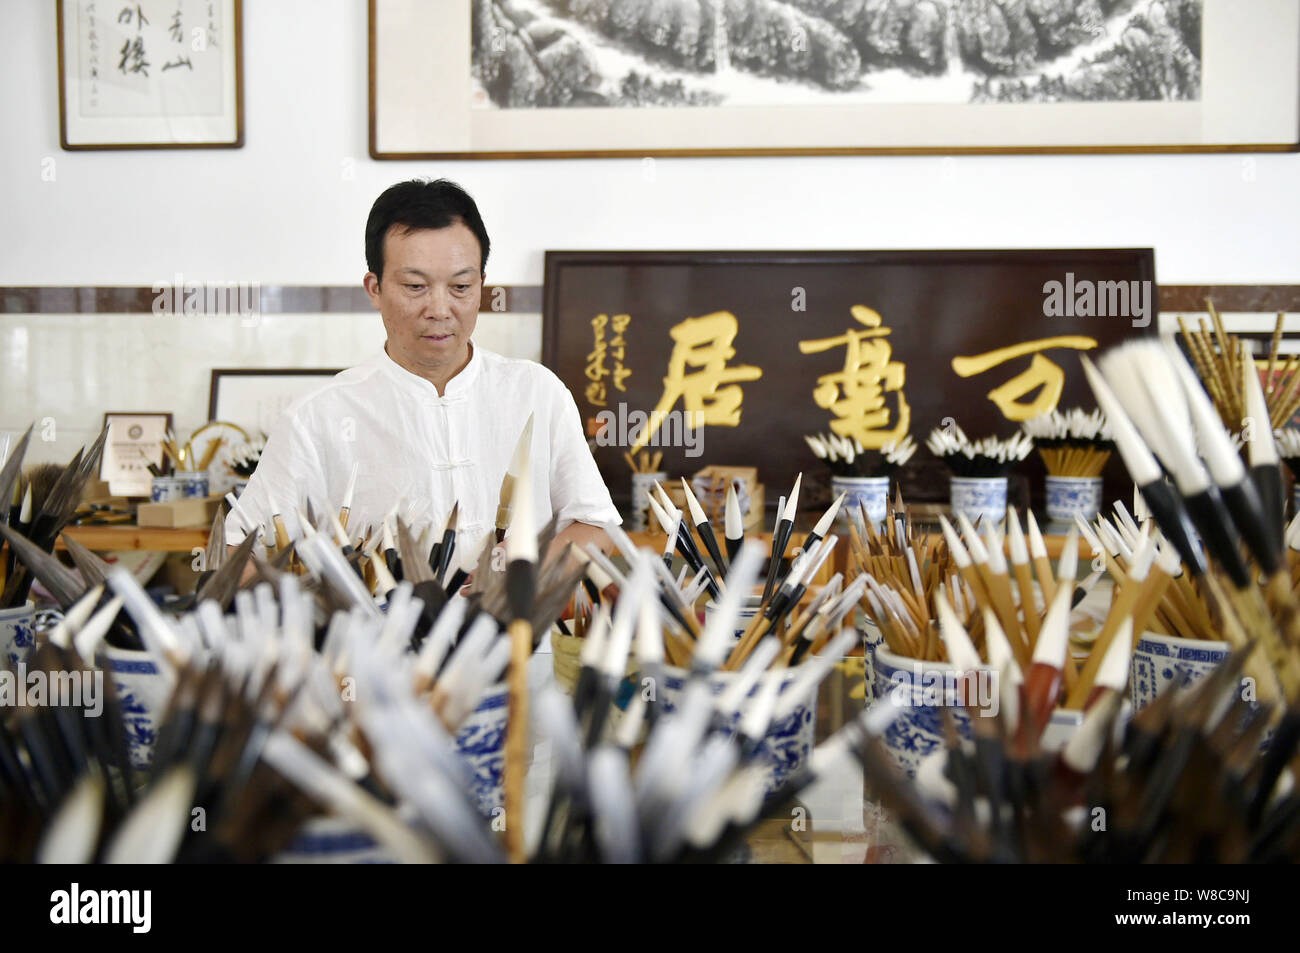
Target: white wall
(290, 207)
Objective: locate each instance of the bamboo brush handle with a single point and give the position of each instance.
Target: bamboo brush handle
(516, 766)
(1025, 585)
(1120, 608)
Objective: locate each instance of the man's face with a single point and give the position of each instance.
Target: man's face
(429, 297)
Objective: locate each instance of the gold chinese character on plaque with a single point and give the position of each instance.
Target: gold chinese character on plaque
(699, 377)
(1042, 374)
(856, 395)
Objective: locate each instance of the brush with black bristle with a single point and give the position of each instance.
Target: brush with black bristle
(53, 513)
(781, 539)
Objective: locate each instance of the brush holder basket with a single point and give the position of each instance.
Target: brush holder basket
(746, 615)
(142, 692)
(643, 485)
(872, 493)
(17, 633)
(1162, 661)
(1068, 497)
(788, 742)
(978, 497)
(481, 741)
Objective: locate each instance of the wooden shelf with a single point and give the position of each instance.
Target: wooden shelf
(103, 538)
(120, 538)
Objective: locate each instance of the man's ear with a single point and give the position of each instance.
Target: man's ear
(371, 283)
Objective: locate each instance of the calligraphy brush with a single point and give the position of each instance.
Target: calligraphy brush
(685, 542)
(221, 586)
(670, 527)
(781, 538)
(521, 577)
(734, 524)
(345, 508)
(1225, 467)
(704, 529)
(60, 581)
(517, 462)
(448, 542)
(1160, 497)
(20, 520)
(1148, 398)
(10, 476)
(1220, 497)
(674, 526)
(1262, 452)
(823, 525)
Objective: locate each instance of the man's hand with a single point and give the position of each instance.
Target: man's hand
(579, 534)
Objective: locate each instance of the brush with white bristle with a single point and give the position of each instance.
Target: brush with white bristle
(847, 457)
(1072, 443)
(984, 458)
(1163, 500)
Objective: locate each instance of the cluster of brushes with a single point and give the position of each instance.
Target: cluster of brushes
(1220, 359)
(784, 586)
(987, 457)
(260, 730)
(308, 698)
(242, 458)
(1191, 780)
(1129, 549)
(1186, 784)
(42, 503)
(402, 543)
(907, 574)
(1073, 443)
(846, 457)
(178, 457)
(652, 786)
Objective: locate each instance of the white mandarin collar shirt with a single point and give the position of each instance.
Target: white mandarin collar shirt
(420, 449)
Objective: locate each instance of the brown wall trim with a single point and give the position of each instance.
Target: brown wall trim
(520, 299)
(1261, 298)
(231, 298)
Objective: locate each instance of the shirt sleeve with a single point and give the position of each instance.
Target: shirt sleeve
(288, 472)
(578, 494)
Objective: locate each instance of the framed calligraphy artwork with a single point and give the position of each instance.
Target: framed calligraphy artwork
(253, 398)
(568, 78)
(150, 74)
(730, 358)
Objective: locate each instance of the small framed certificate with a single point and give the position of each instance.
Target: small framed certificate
(134, 442)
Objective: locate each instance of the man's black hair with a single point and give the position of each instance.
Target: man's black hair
(421, 203)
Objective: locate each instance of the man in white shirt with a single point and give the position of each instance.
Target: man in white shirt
(433, 419)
